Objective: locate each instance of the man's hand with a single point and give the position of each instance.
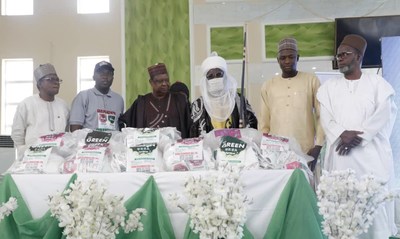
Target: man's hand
(348, 140)
(351, 136)
(314, 152)
(343, 149)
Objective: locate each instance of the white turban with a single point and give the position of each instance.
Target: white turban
(219, 107)
(213, 61)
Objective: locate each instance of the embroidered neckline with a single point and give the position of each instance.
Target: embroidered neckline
(352, 85)
(155, 108)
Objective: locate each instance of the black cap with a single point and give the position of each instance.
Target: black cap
(179, 87)
(103, 65)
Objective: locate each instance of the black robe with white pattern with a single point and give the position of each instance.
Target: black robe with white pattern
(202, 121)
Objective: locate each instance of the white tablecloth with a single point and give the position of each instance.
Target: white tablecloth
(263, 187)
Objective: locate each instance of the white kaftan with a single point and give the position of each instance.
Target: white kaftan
(35, 117)
(364, 105)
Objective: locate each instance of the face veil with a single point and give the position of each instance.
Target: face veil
(219, 106)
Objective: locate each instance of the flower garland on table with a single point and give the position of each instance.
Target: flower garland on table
(216, 204)
(86, 210)
(348, 204)
(7, 208)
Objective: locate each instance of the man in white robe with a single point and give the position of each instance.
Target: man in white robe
(40, 114)
(357, 115)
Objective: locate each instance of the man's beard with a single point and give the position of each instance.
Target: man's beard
(348, 68)
(344, 69)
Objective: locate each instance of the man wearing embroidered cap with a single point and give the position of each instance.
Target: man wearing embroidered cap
(289, 106)
(97, 108)
(357, 114)
(160, 108)
(219, 103)
(42, 113)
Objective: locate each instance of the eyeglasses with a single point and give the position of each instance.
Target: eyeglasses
(159, 82)
(343, 55)
(53, 80)
(212, 75)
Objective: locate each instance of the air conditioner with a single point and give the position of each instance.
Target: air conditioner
(7, 152)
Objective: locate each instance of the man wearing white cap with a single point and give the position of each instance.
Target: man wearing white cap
(219, 104)
(357, 114)
(289, 105)
(42, 113)
(97, 108)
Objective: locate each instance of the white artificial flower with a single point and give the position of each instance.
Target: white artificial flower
(133, 223)
(348, 204)
(86, 210)
(7, 208)
(216, 204)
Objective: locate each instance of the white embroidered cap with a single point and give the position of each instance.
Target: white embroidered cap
(213, 61)
(44, 70)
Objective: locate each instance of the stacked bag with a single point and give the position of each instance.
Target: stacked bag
(150, 150)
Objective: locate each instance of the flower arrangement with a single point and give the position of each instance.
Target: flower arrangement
(348, 204)
(215, 204)
(86, 210)
(7, 208)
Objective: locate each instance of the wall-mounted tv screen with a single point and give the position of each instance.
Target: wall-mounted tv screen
(372, 29)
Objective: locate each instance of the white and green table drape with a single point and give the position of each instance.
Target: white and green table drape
(283, 204)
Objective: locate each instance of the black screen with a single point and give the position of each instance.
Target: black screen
(372, 29)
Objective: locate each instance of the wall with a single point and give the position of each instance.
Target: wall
(180, 37)
(58, 35)
(254, 16)
(390, 70)
(156, 31)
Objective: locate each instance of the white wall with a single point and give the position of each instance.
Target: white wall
(254, 15)
(58, 35)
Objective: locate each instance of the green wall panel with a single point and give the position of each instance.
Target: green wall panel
(155, 31)
(313, 39)
(227, 41)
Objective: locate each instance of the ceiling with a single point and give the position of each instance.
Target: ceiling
(235, 12)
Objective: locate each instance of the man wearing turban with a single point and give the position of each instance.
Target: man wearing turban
(219, 104)
(289, 106)
(40, 114)
(160, 108)
(357, 114)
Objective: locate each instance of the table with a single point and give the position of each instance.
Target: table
(284, 205)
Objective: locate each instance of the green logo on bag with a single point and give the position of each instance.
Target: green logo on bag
(39, 148)
(231, 145)
(144, 148)
(111, 118)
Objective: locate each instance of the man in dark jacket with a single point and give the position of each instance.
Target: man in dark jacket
(160, 108)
